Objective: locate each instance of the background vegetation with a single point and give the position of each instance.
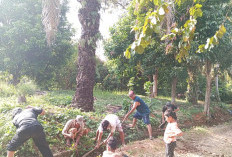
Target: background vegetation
(146, 53)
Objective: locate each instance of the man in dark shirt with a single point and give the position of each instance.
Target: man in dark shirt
(168, 106)
(141, 113)
(28, 127)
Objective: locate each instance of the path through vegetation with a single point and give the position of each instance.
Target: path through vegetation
(213, 141)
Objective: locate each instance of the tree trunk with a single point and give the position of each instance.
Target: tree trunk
(217, 90)
(208, 87)
(89, 19)
(173, 93)
(191, 94)
(155, 84)
(151, 88)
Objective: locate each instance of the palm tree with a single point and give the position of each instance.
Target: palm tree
(89, 18)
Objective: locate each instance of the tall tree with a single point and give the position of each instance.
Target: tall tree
(24, 50)
(89, 18)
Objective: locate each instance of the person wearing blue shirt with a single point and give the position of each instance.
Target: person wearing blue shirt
(141, 113)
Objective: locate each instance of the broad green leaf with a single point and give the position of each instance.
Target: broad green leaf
(165, 37)
(201, 48)
(156, 28)
(127, 53)
(221, 31)
(145, 42)
(139, 49)
(187, 23)
(175, 30)
(157, 2)
(215, 40)
(165, 6)
(196, 11)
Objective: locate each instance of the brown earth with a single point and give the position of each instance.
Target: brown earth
(215, 141)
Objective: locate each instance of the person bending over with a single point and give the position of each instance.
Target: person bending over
(110, 122)
(141, 113)
(28, 127)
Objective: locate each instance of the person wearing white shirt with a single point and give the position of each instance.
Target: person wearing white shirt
(110, 122)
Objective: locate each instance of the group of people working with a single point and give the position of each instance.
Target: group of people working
(28, 127)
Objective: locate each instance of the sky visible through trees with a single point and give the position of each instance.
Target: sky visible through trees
(108, 19)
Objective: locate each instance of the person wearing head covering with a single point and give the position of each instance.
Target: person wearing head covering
(28, 127)
(110, 122)
(74, 129)
(142, 112)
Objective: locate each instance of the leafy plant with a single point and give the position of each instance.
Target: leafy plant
(147, 87)
(26, 87)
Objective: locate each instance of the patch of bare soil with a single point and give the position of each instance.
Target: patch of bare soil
(215, 141)
(112, 108)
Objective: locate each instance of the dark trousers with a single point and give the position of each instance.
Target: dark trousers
(170, 147)
(37, 134)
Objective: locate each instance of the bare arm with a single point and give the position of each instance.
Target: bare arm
(43, 112)
(178, 134)
(65, 130)
(163, 118)
(99, 139)
(131, 111)
(176, 109)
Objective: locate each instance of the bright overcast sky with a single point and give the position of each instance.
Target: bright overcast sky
(107, 20)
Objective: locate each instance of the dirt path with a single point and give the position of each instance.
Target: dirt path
(198, 142)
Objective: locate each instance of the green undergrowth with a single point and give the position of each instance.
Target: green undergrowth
(58, 112)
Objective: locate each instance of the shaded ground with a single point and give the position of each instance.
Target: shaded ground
(213, 141)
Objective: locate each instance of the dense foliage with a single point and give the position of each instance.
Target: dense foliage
(24, 50)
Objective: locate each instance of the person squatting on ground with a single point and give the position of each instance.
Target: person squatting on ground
(28, 127)
(110, 122)
(171, 132)
(168, 106)
(74, 129)
(111, 148)
(141, 113)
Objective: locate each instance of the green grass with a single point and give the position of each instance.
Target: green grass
(58, 112)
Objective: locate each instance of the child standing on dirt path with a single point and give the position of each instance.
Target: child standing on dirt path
(171, 132)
